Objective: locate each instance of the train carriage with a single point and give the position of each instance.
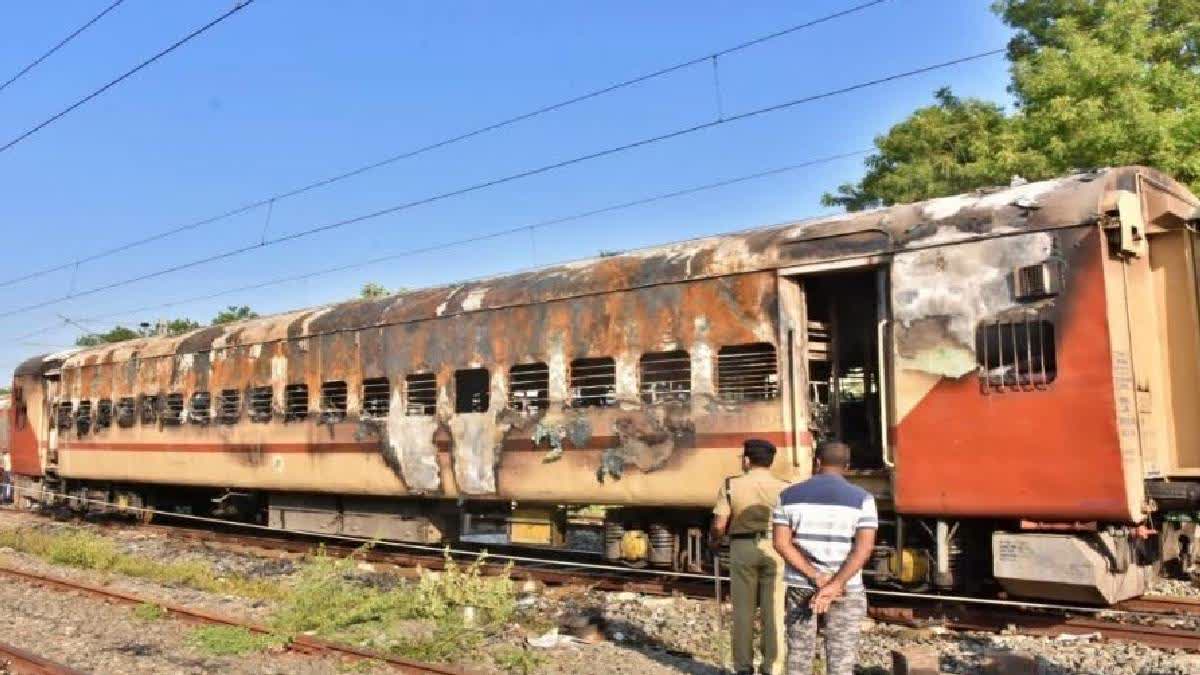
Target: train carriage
(1016, 371)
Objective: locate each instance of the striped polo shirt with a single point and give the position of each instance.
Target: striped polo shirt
(824, 513)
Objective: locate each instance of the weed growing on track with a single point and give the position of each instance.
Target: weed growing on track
(441, 616)
(518, 660)
(230, 640)
(148, 611)
(85, 550)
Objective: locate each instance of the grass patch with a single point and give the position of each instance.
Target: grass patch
(518, 660)
(86, 550)
(229, 640)
(441, 616)
(148, 611)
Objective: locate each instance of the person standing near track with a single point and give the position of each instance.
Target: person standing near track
(743, 510)
(825, 531)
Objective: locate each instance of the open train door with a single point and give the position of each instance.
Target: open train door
(842, 362)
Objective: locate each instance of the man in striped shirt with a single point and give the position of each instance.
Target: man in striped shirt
(825, 530)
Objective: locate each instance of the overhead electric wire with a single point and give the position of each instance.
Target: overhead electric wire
(62, 43)
(408, 154)
(452, 244)
(238, 6)
(499, 181)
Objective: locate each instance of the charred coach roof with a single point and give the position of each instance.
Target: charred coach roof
(1064, 202)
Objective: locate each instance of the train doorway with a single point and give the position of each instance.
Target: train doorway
(845, 313)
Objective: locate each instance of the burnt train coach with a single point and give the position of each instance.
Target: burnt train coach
(1016, 371)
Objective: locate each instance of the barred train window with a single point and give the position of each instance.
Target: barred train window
(229, 406)
(529, 388)
(334, 401)
(295, 402)
(666, 376)
(149, 408)
(65, 415)
(747, 373)
(421, 394)
(261, 399)
(593, 382)
(126, 412)
(471, 390)
(200, 411)
(172, 411)
(376, 397)
(1016, 354)
(104, 414)
(83, 418)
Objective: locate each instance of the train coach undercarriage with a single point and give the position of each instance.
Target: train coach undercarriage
(1070, 562)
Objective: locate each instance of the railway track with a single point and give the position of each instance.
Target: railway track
(1039, 622)
(958, 613)
(1162, 605)
(21, 662)
(300, 643)
(954, 612)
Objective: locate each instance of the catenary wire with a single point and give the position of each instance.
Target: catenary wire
(239, 6)
(229, 253)
(455, 243)
(62, 43)
(408, 154)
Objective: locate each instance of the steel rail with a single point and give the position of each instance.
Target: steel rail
(301, 643)
(956, 612)
(606, 576)
(1162, 604)
(992, 619)
(23, 662)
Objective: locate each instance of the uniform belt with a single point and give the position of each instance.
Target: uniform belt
(748, 535)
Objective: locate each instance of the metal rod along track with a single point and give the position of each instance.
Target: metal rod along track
(22, 662)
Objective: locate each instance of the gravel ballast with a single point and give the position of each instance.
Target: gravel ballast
(628, 633)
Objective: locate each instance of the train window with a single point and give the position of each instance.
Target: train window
(1037, 282)
(104, 411)
(83, 418)
(666, 376)
(1016, 355)
(200, 410)
(229, 406)
(126, 412)
(333, 401)
(65, 415)
(471, 390)
(149, 409)
(421, 394)
(172, 410)
(529, 388)
(295, 402)
(376, 397)
(261, 399)
(747, 373)
(594, 382)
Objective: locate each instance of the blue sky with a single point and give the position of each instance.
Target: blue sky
(290, 91)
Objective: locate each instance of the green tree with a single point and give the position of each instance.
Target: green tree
(233, 313)
(181, 326)
(372, 290)
(121, 333)
(949, 147)
(1095, 83)
(117, 334)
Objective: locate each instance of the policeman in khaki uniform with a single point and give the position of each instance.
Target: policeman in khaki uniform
(743, 511)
